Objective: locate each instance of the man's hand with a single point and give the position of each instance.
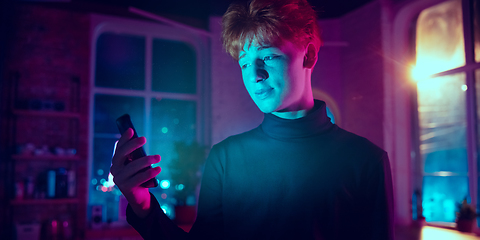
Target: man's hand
(128, 178)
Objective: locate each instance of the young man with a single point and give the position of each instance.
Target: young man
(297, 175)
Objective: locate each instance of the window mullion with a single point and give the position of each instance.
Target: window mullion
(471, 100)
(417, 164)
(148, 89)
(471, 135)
(467, 6)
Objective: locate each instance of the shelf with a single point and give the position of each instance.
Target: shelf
(45, 158)
(37, 113)
(111, 232)
(44, 201)
(120, 231)
(57, 131)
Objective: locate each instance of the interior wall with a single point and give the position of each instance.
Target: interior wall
(327, 74)
(362, 72)
(50, 45)
(397, 131)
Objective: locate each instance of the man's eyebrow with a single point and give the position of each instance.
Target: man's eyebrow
(259, 49)
(264, 47)
(241, 56)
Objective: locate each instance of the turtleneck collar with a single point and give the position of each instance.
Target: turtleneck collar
(316, 121)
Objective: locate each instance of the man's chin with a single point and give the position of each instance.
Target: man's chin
(266, 106)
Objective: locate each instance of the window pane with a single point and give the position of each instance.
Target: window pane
(101, 188)
(440, 195)
(108, 108)
(442, 119)
(476, 27)
(172, 120)
(174, 67)
(439, 38)
(120, 61)
(102, 159)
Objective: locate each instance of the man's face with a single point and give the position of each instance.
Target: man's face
(274, 76)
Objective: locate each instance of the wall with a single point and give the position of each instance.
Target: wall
(49, 47)
(327, 74)
(362, 72)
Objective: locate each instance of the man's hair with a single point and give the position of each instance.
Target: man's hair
(270, 22)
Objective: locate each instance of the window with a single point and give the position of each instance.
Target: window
(447, 56)
(153, 73)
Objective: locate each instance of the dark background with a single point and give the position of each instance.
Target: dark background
(202, 9)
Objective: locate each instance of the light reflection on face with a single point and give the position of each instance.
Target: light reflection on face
(274, 76)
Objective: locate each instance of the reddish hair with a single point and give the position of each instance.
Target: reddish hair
(270, 21)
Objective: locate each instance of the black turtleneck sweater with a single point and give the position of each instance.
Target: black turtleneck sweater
(288, 179)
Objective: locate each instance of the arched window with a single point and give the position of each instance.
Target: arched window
(155, 73)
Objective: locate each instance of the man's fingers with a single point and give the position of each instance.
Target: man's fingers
(118, 156)
(142, 163)
(129, 179)
(142, 177)
(125, 137)
(122, 151)
(127, 171)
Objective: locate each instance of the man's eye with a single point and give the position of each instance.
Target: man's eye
(244, 65)
(267, 58)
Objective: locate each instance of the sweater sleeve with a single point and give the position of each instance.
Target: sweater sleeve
(156, 225)
(209, 222)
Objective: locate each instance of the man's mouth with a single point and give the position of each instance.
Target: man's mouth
(263, 93)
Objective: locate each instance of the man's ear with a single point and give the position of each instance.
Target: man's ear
(310, 57)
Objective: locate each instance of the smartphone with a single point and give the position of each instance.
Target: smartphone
(124, 122)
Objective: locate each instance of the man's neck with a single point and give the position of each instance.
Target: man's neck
(303, 106)
(295, 114)
(291, 115)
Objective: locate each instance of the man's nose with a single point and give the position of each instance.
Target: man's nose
(260, 73)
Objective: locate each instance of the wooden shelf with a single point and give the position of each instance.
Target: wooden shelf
(45, 158)
(44, 201)
(38, 113)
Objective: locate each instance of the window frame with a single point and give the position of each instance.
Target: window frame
(196, 39)
(398, 124)
(469, 70)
